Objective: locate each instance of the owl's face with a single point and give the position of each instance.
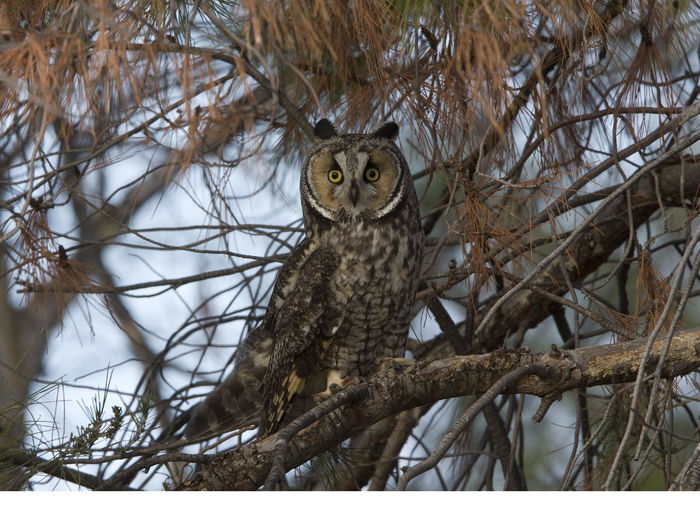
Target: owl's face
(354, 177)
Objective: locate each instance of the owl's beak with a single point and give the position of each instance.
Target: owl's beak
(354, 193)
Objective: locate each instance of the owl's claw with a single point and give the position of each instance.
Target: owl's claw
(334, 388)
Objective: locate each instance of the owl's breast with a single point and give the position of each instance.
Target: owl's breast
(373, 260)
(373, 291)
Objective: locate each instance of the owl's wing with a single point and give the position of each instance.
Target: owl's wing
(286, 281)
(297, 330)
(238, 400)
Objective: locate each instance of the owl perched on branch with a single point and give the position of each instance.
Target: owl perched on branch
(343, 298)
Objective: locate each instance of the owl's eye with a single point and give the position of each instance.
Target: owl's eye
(335, 176)
(371, 174)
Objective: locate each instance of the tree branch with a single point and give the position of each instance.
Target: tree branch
(404, 384)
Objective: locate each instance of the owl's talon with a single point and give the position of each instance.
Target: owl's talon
(334, 388)
(321, 396)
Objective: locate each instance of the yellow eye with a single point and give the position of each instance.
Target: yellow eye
(335, 176)
(371, 174)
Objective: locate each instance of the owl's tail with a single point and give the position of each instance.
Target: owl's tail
(237, 401)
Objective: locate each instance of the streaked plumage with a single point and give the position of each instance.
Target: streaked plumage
(343, 299)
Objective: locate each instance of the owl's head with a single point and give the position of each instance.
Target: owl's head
(354, 176)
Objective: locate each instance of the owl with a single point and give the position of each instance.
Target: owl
(343, 298)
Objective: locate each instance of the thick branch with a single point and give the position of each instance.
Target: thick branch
(404, 384)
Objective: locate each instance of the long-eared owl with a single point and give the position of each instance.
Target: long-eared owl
(343, 298)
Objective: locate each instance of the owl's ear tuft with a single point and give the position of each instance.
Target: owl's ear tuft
(324, 129)
(387, 130)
